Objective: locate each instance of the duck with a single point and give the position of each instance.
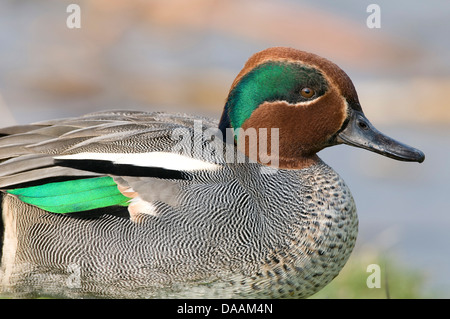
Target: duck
(137, 204)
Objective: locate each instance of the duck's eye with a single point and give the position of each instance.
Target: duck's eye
(307, 92)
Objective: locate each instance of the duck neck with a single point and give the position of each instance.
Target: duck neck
(299, 162)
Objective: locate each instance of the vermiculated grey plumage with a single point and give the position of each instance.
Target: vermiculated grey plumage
(224, 233)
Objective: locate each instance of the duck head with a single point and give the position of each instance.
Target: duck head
(312, 103)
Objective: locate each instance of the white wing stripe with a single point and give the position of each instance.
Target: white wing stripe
(164, 160)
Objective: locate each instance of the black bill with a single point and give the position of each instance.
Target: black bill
(361, 133)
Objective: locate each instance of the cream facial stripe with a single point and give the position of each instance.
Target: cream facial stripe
(298, 104)
(151, 159)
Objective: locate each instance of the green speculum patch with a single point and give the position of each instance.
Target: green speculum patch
(269, 82)
(73, 196)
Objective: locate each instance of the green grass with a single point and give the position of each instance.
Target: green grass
(397, 281)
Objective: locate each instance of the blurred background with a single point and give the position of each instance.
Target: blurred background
(179, 55)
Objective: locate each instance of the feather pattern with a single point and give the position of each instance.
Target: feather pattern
(135, 136)
(218, 209)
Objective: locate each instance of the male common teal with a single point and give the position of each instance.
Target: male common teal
(137, 204)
